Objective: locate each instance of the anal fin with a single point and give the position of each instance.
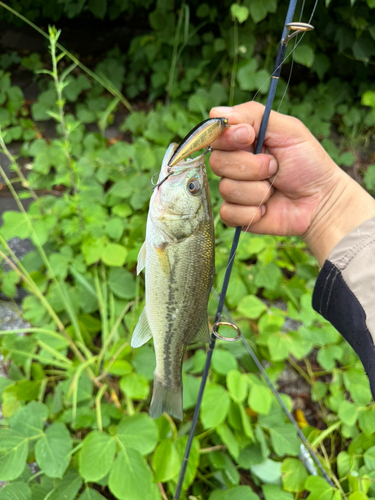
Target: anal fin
(142, 332)
(203, 334)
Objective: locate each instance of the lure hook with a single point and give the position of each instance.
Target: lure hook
(152, 180)
(170, 172)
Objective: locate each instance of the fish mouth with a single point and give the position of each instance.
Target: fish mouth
(180, 166)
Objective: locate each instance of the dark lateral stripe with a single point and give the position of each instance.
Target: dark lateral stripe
(334, 300)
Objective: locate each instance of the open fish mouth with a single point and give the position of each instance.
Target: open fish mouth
(185, 164)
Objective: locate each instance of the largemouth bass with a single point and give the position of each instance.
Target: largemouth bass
(178, 255)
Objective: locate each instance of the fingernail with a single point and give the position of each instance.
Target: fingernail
(262, 210)
(223, 109)
(242, 136)
(272, 169)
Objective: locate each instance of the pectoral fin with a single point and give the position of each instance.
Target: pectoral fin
(142, 332)
(141, 260)
(203, 334)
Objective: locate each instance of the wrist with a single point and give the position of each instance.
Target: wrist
(344, 207)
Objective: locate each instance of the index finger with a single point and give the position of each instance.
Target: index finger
(235, 137)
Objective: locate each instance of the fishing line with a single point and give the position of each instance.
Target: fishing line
(259, 365)
(291, 52)
(286, 36)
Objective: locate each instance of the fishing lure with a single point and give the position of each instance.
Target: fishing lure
(201, 136)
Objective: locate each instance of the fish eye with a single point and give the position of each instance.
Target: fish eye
(194, 186)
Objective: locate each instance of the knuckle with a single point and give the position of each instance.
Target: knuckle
(225, 213)
(225, 187)
(215, 161)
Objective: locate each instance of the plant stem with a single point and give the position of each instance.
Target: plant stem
(235, 60)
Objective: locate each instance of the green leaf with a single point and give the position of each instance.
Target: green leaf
(193, 461)
(15, 491)
(250, 455)
(138, 432)
(369, 458)
(327, 356)
(215, 405)
(115, 228)
(260, 399)
(366, 420)
(96, 456)
(15, 224)
(304, 55)
(130, 477)
(223, 361)
(251, 307)
(166, 461)
(10, 281)
(30, 420)
(345, 462)
(13, 454)
(229, 439)
(369, 177)
(273, 492)
(114, 255)
(68, 487)
(269, 471)
(284, 439)
(92, 249)
(348, 413)
(260, 8)
(90, 494)
(122, 283)
(98, 7)
(239, 12)
(268, 276)
(237, 385)
(245, 75)
(240, 493)
(368, 98)
(279, 345)
(320, 489)
(135, 386)
(51, 451)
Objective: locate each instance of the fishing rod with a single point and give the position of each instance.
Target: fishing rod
(291, 29)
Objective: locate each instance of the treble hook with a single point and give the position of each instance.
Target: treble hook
(165, 178)
(152, 180)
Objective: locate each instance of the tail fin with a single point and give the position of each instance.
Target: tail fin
(164, 399)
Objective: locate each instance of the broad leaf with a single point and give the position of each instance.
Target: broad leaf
(51, 451)
(215, 405)
(130, 477)
(13, 454)
(16, 491)
(139, 432)
(30, 419)
(294, 474)
(96, 456)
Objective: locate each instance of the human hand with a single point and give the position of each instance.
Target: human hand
(312, 196)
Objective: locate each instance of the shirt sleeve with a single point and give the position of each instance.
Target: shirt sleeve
(344, 293)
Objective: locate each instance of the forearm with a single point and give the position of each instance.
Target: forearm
(345, 206)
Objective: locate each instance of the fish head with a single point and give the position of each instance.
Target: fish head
(181, 203)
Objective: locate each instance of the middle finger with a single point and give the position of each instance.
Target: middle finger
(243, 166)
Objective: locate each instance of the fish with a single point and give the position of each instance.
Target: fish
(201, 136)
(178, 256)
